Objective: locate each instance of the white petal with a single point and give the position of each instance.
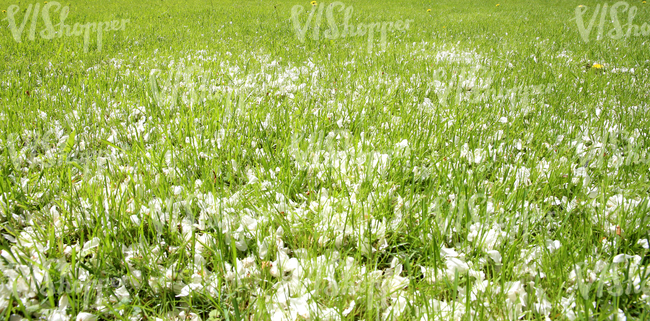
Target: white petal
(185, 291)
(495, 255)
(83, 316)
(621, 258)
(349, 309)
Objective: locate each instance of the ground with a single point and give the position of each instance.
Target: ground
(296, 160)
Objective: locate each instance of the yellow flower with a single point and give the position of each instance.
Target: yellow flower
(498, 4)
(597, 66)
(643, 2)
(580, 6)
(313, 3)
(428, 10)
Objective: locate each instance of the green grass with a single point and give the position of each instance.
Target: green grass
(206, 163)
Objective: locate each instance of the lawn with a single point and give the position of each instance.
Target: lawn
(297, 160)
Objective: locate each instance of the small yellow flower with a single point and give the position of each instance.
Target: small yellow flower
(444, 27)
(597, 66)
(498, 4)
(428, 10)
(313, 3)
(3, 11)
(643, 2)
(580, 6)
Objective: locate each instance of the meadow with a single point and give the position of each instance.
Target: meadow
(297, 160)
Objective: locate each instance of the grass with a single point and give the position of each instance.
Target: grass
(207, 164)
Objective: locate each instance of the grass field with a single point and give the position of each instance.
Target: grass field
(225, 160)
